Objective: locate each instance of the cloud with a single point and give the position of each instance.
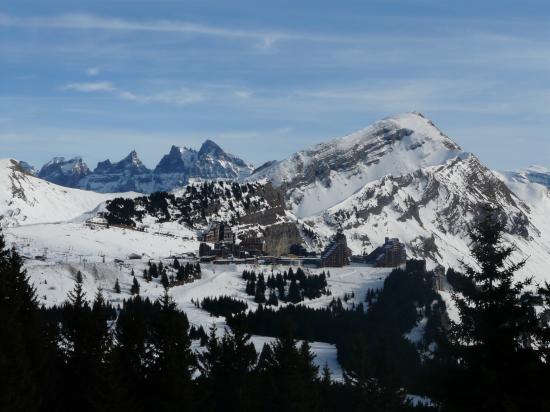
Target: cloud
(243, 94)
(92, 22)
(264, 39)
(181, 96)
(91, 87)
(92, 71)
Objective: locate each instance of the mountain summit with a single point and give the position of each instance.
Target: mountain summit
(328, 173)
(130, 174)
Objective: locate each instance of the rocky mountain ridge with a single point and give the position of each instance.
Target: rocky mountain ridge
(174, 170)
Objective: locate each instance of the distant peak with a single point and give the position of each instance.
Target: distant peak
(132, 158)
(210, 147)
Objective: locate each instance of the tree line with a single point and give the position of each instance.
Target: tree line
(87, 355)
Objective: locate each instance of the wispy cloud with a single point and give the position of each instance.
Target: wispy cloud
(92, 22)
(91, 87)
(92, 71)
(180, 96)
(264, 39)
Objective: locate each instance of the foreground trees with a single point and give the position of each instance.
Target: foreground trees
(89, 356)
(498, 348)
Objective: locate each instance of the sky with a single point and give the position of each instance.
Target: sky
(267, 78)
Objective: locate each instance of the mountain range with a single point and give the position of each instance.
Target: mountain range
(400, 177)
(174, 170)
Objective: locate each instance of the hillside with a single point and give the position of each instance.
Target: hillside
(25, 199)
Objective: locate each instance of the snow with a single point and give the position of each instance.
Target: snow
(26, 199)
(378, 157)
(54, 278)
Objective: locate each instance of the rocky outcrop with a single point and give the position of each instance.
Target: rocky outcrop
(175, 170)
(279, 238)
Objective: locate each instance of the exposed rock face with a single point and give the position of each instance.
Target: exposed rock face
(64, 172)
(210, 162)
(402, 177)
(129, 174)
(174, 170)
(279, 238)
(328, 173)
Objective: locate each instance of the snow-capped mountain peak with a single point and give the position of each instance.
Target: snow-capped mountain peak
(64, 172)
(328, 173)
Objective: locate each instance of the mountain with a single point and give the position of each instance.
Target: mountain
(402, 177)
(129, 174)
(25, 199)
(328, 173)
(174, 170)
(64, 172)
(28, 168)
(210, 162)
(532, 174)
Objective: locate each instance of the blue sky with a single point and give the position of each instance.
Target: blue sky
(266, 78)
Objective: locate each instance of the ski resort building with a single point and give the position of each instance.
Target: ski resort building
(391, 254)
(337, 253)
(253, 246)
(219, 232)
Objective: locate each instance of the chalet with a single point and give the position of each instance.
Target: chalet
(391, 254)
(337, 253)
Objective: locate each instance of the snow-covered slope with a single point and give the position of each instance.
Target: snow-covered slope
(330, 172)
(402, 177)
(25, 199)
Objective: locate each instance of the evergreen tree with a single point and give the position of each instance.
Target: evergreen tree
(294, 295)
(146, 275)
(496, 343)
(86, 344)
(230, 359)
(180, 275)
(289, 372)
(176, 264)
(173, 362)
(130, 379)
(273, 300)
(19, 336)
(134, 290)
(117, 286)
(164, 280)
(153, 271)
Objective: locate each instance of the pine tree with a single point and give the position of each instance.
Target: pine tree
(173, 361)
(273, 300)
(164, 280)
(290, 373)
(117, 286)
(294, 295)
(496, 342)
(230, 359)
(20, 336)
(176, 264)
(134, 290)
(146, 275)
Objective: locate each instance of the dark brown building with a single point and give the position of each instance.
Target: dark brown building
(219, 232)
(391, 254)
(337, 253)
(254, 246)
